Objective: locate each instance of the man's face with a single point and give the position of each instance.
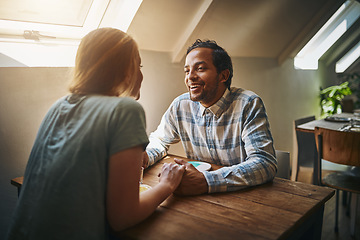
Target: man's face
(204, 84)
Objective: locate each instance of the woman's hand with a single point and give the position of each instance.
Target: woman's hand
(171, 175)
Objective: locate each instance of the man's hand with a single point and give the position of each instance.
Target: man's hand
(193, 181)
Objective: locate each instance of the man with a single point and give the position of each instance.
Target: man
(218, 124)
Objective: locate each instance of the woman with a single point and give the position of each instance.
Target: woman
(83, 172)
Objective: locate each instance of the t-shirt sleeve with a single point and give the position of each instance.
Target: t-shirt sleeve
(127, 127)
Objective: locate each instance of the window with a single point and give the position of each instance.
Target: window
(348, 59)
(47, 33)
(333, 29)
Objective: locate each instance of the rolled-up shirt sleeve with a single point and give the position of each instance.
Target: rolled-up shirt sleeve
(160, 140)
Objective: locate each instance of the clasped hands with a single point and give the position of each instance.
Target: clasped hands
(193, 182)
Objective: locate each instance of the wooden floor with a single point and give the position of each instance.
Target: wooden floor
(328, 232)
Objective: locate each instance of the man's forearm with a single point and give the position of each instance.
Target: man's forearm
(246, 174)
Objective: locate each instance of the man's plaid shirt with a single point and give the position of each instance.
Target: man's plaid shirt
(234, 132)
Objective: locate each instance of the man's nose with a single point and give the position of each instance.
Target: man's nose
(192, 74)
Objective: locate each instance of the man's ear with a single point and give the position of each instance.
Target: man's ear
(224, 75)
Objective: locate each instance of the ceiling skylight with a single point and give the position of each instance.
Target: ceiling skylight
(348, 59)
(56, 23)
(333, 29)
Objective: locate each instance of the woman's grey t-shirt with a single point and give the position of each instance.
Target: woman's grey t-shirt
(64, 190)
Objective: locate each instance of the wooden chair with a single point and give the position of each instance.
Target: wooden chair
(340, 148)
(283, 159)
(306, 154)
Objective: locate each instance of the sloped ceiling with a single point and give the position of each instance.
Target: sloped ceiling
(245, 28)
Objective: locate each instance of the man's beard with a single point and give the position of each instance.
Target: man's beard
(205, 96)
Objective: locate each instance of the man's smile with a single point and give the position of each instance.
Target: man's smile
(194, 85)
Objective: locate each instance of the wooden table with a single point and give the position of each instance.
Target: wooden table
(310, 126)
(281, 209)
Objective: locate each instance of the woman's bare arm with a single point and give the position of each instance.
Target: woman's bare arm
(125, 206)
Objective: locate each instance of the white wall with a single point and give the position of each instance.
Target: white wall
(25, 96)
(287, 93)
(27, 93)
(163, 81)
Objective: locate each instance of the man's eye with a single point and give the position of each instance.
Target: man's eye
(141, 66)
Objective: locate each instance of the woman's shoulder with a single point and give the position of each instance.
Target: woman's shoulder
(112, 106)
(108, 101)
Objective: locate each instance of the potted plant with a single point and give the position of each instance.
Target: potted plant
(331, 97)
